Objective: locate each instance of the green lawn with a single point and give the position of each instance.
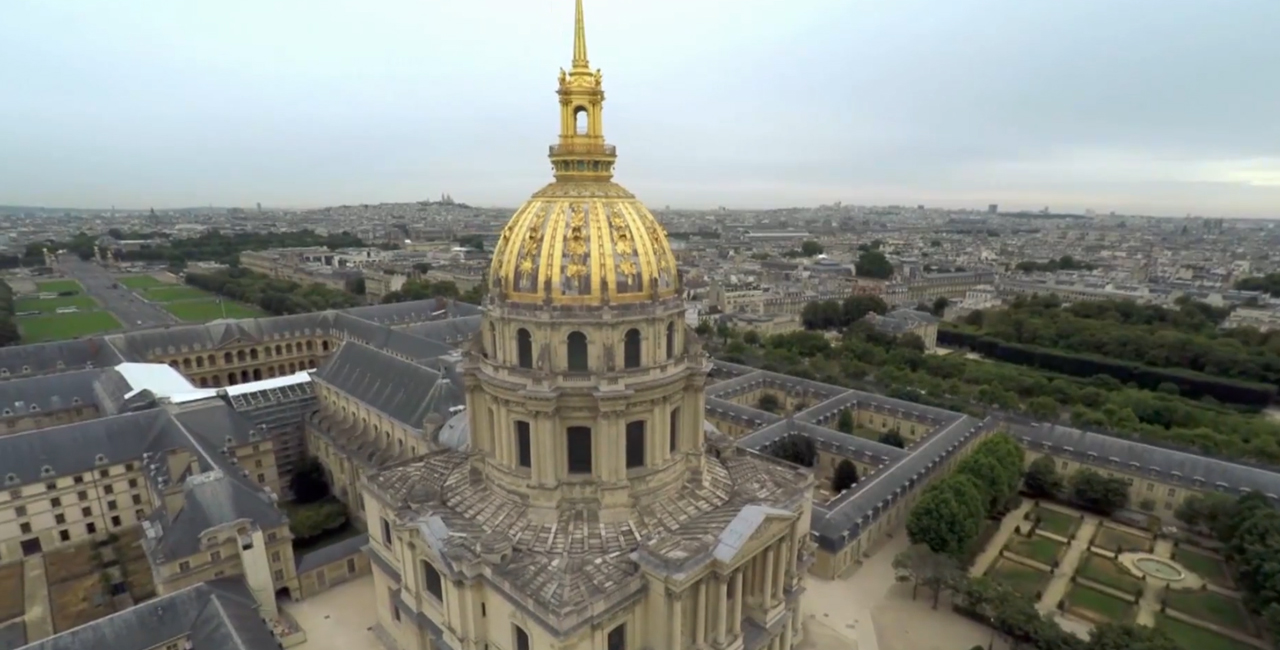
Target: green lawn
(171, 294)
(1211, 607)
(1192, 637)
(1113, 538)
(1038, 548)
(1057, 522)
(1204, 565)
(50, 305)
(58, 286)
(140, 282)
(1102, 570)
(203, 311)
(1103, 605)
(60, 327)
(1021, 578)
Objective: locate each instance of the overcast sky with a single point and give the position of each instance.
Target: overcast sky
(1153, 106)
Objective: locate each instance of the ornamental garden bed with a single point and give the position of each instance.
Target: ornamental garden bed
(1211, 607)
(1036, 548)
(1205, 564)
(1052, 520)
(1025, 580)
(1108, 573)
(1097, 606)
(1116, 540)
(1194, 637)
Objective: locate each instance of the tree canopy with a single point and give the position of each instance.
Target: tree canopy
(873, 264)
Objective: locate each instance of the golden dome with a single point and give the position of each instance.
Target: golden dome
(583, 239)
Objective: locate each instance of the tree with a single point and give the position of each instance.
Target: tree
(768, 402)
(925, 568)
(1042, 479)
(355, 285)
(422, 267)
(751, 337)
(1206, 511)
(811, 248)
(940, 306)
(873, 264)
(948, 515)
(1116, 636)
(703, 329)
(893, 439)
(1244, 509)
(1097, 493)
(844, 477)
(1044, 408)
(845, 422)
(315, 519)
(795, 449)
(855, 308)
(911, 341)
(309, 482)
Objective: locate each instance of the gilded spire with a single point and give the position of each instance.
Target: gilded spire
(580, 40)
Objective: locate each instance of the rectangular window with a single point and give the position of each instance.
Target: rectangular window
(522, 638)
(262, 479)
(278, 575)
(56, 502)
(351, 565)
(64, 535)
(110, 489)
(386, 533)
(271, 536)
(578, 440)
(128, 467)
(675, 428)
(20, 511)
(59, 519)
(524, 445)
(635, 444)
(184, 566)
(86, 512)
(617, 639)
(140, 514)
(24, 528)
(91, 528)
(431, 581)
(1171, 492)
(215, 556)
(275, 557)
(111, 505)
(137, 499)
(133, 484)
(82, 496)
(77, 479)
(115, 521)
(51, 486)
(104, 473)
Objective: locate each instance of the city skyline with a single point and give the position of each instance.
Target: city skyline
(1145, 108)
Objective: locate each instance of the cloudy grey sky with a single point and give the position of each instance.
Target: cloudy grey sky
(1155, 106)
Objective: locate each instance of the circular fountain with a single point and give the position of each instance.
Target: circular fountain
(1160, 568)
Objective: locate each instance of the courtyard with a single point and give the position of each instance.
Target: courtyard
(341, 618)
(1084, 570)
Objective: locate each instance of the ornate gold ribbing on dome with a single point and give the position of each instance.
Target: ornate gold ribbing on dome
(583, 240)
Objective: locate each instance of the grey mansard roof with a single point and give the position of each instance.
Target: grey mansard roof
(62, 356)
(219, 614)
(405, 391)
(210, 500)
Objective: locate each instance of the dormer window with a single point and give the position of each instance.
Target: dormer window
(46, 471)
(10, 479)
(75, 400)
(34, 408)
(26, 369)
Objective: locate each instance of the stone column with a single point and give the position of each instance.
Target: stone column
(780, 567)
(786, 632)
(722, 608)
(677, 631)
(735, 618)
(766, 595)
(700, 631)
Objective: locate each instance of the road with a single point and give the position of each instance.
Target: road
(132, 310)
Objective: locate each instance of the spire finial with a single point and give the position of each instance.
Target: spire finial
(579, 39)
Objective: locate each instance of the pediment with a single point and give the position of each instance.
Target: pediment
(754, 527)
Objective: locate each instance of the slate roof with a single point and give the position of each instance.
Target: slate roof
(210, 500)
(75, 448)
(20, 397)
(330, 554)
(416, 311)
(405, 391)
(218, 614)
(1166, 465)
(62, 356)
